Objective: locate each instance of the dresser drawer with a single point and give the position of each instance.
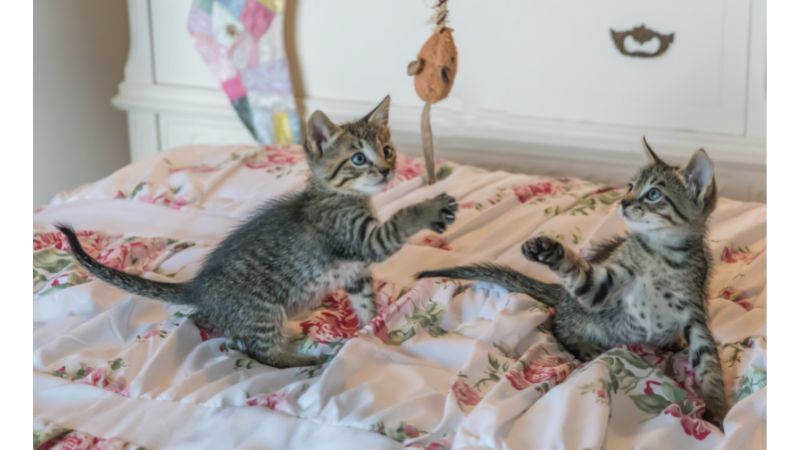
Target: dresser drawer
(566, 65)
(177, 129)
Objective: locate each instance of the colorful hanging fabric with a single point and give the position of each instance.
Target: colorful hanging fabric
(242, 43)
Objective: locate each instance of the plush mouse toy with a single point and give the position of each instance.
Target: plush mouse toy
(434, 72)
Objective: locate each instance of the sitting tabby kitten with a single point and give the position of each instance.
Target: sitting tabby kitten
(648, 286)
(300, 247)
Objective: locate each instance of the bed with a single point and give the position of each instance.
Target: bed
(445, 364)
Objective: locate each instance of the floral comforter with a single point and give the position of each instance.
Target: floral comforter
(444, 365)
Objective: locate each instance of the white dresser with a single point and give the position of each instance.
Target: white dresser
(543, 85)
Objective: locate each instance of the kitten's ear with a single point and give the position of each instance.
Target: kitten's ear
(380, 115)
(699, 176)
(320, 132)
(651, 155)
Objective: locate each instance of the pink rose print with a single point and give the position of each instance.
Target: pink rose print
(102, 378)
(517, 379)
(436, 241)
(553, 368)
(271, 401)
(736, 296)
(650, 354)
(692, 426)
(407, 167)
(464, 393)
(272, 156)
(437, 446)
(154, 330)
(164, 199)
(648, 386)
(379, 328)
(78, 440)
(525, 192)
(467, 205)
(410, 430)
(134, 256)
(337, 322)
(731, 255)
(91, 241)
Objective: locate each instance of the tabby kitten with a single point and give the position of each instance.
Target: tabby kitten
(648, 286)
(298, 248)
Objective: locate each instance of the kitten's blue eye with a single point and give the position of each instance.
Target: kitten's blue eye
(653, 194)
(387, 152)
(359, 159)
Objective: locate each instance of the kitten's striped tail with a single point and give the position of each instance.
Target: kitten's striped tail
(547, 293)
(170, 292)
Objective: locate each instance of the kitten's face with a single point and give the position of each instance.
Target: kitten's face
(663, 198)
(356, 157)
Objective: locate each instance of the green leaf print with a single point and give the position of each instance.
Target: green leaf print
(38, 280)
(444, 172)
(672, 393)
(751, 383)
(493, 362)
(427, 319)
(116, 363)
(397, 337)
(48, 434)
(738, 348)
(51, 260)
(631, 359)
(652, 404)
(138, 188)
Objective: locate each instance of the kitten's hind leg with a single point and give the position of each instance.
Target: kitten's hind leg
(362, 297)
(707, 368)
(264, 340)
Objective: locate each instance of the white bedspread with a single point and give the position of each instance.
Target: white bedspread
(445, 365)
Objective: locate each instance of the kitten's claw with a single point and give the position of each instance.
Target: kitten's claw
(543, 250)
(442, 212)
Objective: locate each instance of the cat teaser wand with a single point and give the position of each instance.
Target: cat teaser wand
(434, 72)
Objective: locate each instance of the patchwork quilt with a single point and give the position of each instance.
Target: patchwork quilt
(241, 41)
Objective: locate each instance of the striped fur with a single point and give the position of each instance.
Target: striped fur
(296, 249)
(648, 286)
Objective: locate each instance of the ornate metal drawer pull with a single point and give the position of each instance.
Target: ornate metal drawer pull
(642, 34)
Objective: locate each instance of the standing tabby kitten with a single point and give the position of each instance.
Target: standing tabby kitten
(300, 247)
(648, 286)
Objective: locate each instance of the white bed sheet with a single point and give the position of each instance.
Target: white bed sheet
(445, 365)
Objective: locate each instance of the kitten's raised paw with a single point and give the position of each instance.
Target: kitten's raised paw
(440, 211)
(543, 250)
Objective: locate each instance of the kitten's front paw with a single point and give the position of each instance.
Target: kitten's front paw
(545, 250)
(439, 212)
